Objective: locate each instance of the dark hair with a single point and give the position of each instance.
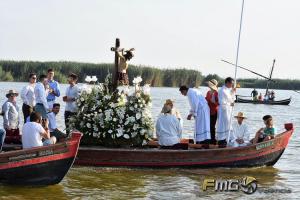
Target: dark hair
(229, 80)
(50, 70)
(183, 88)
(73, 76)
(267, 117)
(128, 55)
(42, 77)
(56, 104)
(31, 75)
(34, 116)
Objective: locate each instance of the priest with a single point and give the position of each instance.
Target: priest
(200, 111)
(226, 96)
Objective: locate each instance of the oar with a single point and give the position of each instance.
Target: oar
(244, 68)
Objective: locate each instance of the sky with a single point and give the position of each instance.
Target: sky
(194, 34)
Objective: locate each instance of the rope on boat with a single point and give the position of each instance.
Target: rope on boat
(236, 65)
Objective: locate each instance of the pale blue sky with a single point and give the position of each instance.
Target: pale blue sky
(166, 33)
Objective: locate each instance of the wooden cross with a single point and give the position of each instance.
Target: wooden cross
(115, 71)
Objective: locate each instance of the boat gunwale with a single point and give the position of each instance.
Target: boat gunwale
(110, 149)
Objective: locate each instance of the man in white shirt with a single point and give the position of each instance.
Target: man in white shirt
(200, 111)
(240, 135)
(168, 129)
(41, 93)
(226, 96)
(54, 131)
(33, 132)
(72, 93)
(28, 97)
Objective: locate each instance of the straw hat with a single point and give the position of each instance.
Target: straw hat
(166, 109)
(10, 92)
(240, 115)
(213, 84)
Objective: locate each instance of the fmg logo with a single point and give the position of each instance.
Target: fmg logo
(248, 185)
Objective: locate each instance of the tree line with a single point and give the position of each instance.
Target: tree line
(19, 70)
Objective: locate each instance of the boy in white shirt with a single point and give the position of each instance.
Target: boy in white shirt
(54, 131)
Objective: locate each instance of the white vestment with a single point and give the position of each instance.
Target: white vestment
(226, 98)
(168, 130)
(200, 110)
(239, 131)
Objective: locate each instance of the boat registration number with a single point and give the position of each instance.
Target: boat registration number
(264, 145)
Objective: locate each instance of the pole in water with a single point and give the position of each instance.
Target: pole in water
(236, 65)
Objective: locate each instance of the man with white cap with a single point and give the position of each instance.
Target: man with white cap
(11, 118)
(240, 135)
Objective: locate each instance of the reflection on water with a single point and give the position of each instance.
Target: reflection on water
(123, 183)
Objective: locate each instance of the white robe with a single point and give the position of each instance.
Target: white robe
(239, 132)
(226, 98)
(200, 110)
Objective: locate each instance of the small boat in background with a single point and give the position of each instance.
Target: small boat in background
(281, 102)
(45, 165)
(268, 101)
(262, 154)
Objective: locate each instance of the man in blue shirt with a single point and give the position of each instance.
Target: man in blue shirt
(54, 90)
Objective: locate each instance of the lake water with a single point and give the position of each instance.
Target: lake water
(120, 183)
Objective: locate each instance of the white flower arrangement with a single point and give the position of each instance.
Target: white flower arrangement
(114, 118)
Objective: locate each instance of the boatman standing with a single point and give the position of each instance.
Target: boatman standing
(200, 111)
(226, 101)
(54, 90)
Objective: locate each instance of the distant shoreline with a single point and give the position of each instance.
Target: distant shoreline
(18, 71)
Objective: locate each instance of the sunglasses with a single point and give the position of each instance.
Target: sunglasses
(33, 77)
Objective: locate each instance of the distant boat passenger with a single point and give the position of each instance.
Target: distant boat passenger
(260, 98)
(254, 94)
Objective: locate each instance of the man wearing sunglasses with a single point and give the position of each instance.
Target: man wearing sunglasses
(28, 97)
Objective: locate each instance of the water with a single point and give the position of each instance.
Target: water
(121, 183)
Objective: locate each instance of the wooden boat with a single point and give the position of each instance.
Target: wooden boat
(269, 79)
(281, 102)
(261, 154)
(45, 165)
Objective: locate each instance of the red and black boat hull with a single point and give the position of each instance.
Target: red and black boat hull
(262, 154)
(46, 173)
(39, 166)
